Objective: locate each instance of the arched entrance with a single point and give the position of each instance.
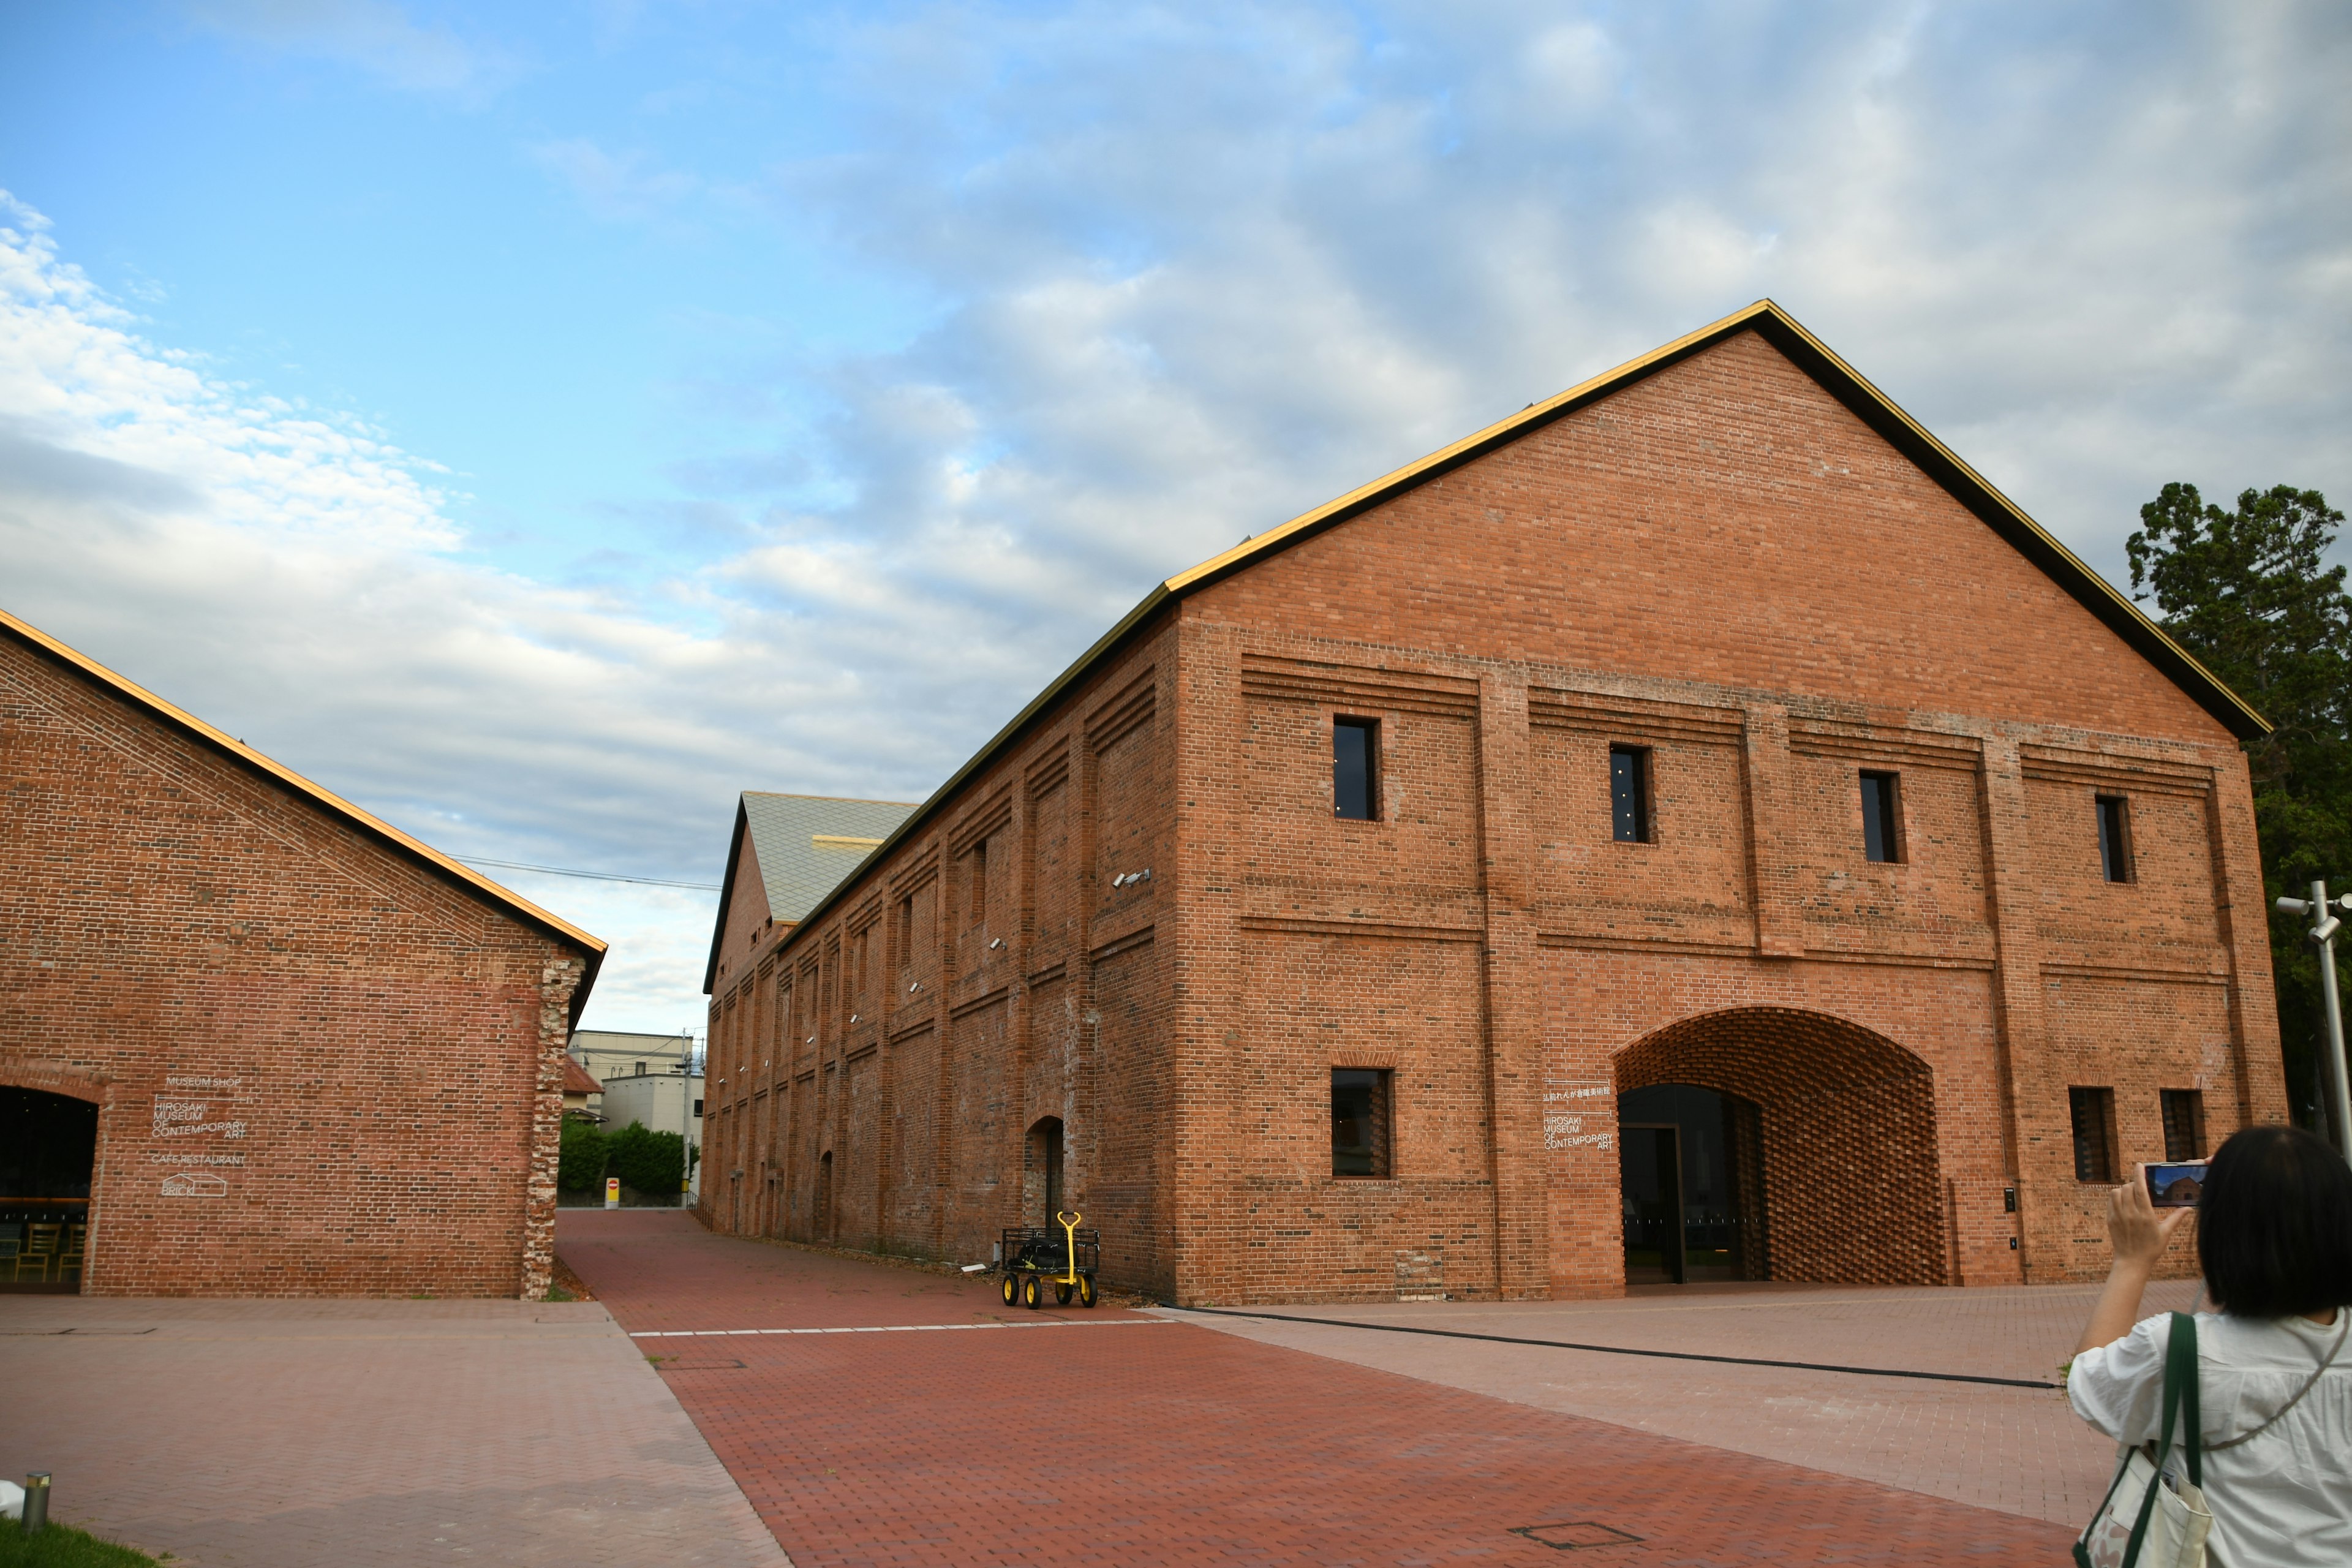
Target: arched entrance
(1042, 1192)
(48, 1144)
(1821, 1141)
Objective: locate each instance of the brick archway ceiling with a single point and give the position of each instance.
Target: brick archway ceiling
(1854, 1192)
(1764, 1053)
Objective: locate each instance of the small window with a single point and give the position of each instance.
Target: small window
(1629, 794)
(640, 1072)
(2094, 1113)
(2184, 1123)
(697, 1108)
(979, 882)
(1360, 1123)
(1882, 817)
(1355, 768)
(2114, 837)
(906, 931)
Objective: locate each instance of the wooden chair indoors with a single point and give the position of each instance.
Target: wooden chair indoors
(40, 1250)
(69, 1260)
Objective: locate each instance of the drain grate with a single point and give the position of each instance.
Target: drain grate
(1576, 1535)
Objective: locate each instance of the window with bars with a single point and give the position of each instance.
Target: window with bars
(1360, 1123)
(1629, 794)
(1882, 817)
(2114, 837)
(1356, 769)
(2184, 1122)
(2092, 1111)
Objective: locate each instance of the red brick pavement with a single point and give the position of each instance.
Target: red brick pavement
(1150, 1445)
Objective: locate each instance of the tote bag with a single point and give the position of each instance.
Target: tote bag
(2150, 1518)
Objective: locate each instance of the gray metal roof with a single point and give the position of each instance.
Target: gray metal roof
(808, 843)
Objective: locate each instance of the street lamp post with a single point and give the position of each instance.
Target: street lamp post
(2324, 927)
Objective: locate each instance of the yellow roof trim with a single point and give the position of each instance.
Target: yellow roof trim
(376, 826)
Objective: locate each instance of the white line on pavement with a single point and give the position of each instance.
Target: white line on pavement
(901, 1328)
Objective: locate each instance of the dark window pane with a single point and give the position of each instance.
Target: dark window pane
(1629, 794)
(2184, 1123)
(2114, 839)
(1882, 829)
(1359, 1117)
(1354, 756)
(2093, 1110)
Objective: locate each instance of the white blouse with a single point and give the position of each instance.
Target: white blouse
(2282, 1500)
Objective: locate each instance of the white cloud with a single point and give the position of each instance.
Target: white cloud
(372, 35)
(1196, 270)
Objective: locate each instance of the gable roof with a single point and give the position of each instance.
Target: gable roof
(416, 851)
(805, 845)
(577, 1079)
(1810, 355)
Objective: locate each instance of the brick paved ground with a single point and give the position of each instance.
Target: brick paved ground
(285, 1434)
(1149, 1442)
(2019, 1450)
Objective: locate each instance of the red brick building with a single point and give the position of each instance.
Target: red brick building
(1697, 826)
(255, 1041)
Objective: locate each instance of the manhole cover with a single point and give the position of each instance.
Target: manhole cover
(1576, 1535)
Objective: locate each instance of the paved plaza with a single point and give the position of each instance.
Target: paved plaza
(282, 1434)
(881, 1415)
(725, 1402)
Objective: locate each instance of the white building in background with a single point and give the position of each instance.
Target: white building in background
(656, 1079)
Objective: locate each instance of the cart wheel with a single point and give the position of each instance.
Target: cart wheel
(1085, 1290)
(1012, 1290)
(1031, 1296)
(1061, 1293)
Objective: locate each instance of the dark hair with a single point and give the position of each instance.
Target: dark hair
(2274, 1225)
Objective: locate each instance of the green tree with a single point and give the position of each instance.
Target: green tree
(653, 1163)
(2248, 593)
(581, 1157)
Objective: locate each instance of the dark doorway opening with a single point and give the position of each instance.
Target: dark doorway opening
(48, 1144)
(1691, 1175)
(1043, 1177)
(822, 1219)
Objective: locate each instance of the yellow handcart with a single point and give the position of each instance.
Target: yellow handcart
(1060, 1255)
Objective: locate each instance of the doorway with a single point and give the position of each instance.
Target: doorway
(822, 1221)
(48, 1144)
(1690, 1176)
(1043, 1177)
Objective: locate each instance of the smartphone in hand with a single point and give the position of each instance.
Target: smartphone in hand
(2175, 1183)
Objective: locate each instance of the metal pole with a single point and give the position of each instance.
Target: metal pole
(36, 1502)
(2324, 927)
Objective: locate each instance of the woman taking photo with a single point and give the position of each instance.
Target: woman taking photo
(2274, 1238)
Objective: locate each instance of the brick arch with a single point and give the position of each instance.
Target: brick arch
(1851, 1184)
(67, 1081)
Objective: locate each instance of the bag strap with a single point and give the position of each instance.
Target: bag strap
(2178, 1391)
(2182, 1358)
(2343, 1321)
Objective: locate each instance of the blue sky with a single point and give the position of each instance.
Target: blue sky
(540, 423)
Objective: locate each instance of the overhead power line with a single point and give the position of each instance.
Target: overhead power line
(587, 876)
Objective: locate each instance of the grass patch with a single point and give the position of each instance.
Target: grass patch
(61, 1546)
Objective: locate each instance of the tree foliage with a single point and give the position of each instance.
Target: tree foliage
(2249, 594)
(580, 1156)
(650, 1163)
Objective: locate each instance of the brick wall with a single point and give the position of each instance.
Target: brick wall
(1720, 563)
(382, 1053)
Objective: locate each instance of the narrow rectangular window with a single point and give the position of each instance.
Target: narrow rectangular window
(1355, 768)
(1882, 818)
(1629, 794)
(979, 882)
(2094, 1114)
(2184, 1122)
(698, 1109)
(906, 931)
(2114, 837)
(1360, 1123)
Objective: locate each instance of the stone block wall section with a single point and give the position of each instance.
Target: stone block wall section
(320, 1069)
(1721, 564)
